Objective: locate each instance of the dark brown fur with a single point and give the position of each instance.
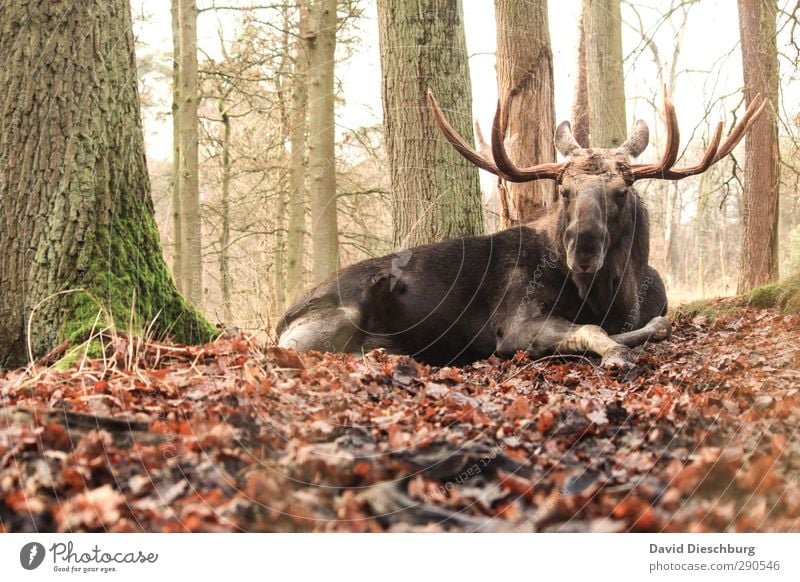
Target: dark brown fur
(518, 289)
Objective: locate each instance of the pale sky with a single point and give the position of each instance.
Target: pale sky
(710, 52)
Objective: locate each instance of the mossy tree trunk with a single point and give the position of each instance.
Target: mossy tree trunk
(435, 192)
(77, 230)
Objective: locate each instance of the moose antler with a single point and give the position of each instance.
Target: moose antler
(665, 170)
(549, 171)
(461, 146)
(501, 165)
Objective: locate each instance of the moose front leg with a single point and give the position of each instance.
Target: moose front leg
(547, 335)
(657, 329)
(593, 338)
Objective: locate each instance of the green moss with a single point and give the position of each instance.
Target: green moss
(710, 308)
(128, 287)
(784, 295)
(92, 349)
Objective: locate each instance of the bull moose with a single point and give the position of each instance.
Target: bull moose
(575, 279)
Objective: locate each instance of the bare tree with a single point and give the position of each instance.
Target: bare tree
(297, 171)
(225, 212)
(605, 82)
(669, 195)
(759, 261)
(177, 215)
(435, 192)
(525, 83)
(321, 155)
(283, 87)
(191, 274)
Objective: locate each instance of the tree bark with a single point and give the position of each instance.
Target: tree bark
(177, 229)
(77, 233)
(295, 237)
(191, 244)
(321, 154)
(525, 83)
(435, 192)
(759, 259)
(580, 104)
(604, 75)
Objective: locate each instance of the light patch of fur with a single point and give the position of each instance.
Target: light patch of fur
(587, 338)
(331, 331)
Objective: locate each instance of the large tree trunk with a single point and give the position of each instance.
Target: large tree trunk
(580, 103)
(435, 192)
(321, 154)
(604, 75)
(525, 82)
(177, 217)
(191, 244)
(297, 171)
(77, 233)
(759, 262)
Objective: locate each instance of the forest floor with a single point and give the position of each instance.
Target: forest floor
(702, 435)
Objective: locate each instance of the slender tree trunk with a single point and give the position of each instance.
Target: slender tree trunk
(673, 194)
(321, 154)
(580, 104)
(759, 261)
(604, 75)
(297, 171)
(435, 192)
(722, 259)
(279, 252)
(177, 227)
(699, 249)
(284, 109)
(191, 244)
(225, 234)
(525, 82)
(77, 232)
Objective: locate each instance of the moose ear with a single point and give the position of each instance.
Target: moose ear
(566, 143)
(637, 140)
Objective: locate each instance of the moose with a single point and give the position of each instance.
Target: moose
(574, 279)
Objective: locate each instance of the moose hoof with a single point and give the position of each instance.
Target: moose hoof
(662, 328)
(617, 357)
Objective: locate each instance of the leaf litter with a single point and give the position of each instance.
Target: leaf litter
(701, 435)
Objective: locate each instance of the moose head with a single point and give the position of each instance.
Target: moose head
(596, 185)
